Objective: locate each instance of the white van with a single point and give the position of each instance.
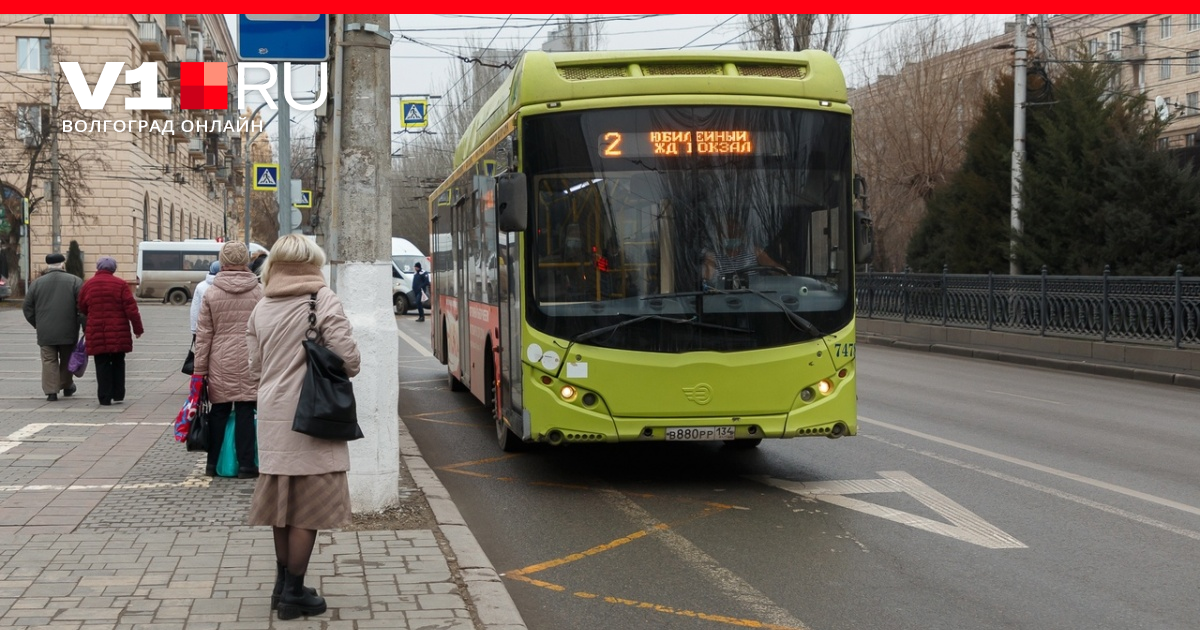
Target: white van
(171, 269)
(404, 256)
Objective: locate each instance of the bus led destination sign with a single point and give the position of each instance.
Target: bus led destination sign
(617, 144)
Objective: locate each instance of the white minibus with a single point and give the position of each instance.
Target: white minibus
(170, 270)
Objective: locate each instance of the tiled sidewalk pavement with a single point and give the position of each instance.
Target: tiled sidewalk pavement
(107, 522)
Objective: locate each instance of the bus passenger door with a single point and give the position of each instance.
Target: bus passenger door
(508, 271)
(461, 229)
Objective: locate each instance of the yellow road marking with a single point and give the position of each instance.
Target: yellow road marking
(445, 411)
(660, 608)
(558, 562)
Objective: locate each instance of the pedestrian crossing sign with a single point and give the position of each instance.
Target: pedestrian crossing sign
(414, 114)
(266, 177)
(305, 200)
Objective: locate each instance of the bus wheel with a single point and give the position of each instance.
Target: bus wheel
(400, 303)
(509, 442)
(178, 297)
(743, 444)
(455, 384)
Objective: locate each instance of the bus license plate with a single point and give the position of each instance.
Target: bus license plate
(700, 433)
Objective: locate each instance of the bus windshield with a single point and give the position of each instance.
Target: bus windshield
(677, 229)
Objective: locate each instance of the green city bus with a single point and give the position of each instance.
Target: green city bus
(654, 246)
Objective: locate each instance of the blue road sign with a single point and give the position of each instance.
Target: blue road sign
(276, 37)
(266, 177)
(414, 113)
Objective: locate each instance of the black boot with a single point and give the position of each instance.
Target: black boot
(295, 600)
(278, 590)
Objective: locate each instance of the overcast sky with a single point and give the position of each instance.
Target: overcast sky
(429, 65)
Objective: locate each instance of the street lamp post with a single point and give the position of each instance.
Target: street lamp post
(55, 208)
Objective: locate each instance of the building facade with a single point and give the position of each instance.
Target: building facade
(1159, 56)
(120, 181)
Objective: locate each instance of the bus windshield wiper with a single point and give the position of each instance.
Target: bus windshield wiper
(692, 321)
(795, 318)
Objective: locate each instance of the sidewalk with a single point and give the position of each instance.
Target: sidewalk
(107, 522)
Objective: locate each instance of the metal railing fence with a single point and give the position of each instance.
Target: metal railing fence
(1129, 309)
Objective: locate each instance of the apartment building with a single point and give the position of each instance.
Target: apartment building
(138, 184)
(1159, 56)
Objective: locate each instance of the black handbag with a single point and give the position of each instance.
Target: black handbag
(326, 408)
(199, 429)
(189, 364)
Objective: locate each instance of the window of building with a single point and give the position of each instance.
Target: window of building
(1193, 62)
(33, 54)
(1194, 22)
(1193, 104)
(1093, 47)
(1164, 144)
(1114, 42)
(32, 123)
(1190, 140)
(1139, 77)
(1164, 68)
(1164, 28)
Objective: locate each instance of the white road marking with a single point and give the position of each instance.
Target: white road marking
(1042, 400)
(413, 342)
(963, 524)
(1108, 509)
(1149, 498)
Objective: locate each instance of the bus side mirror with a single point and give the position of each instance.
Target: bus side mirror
(864, 237)
(512, 206)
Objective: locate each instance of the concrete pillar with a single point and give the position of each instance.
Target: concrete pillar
(360, 249)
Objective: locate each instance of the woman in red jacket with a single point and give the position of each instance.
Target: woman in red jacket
(108, 304)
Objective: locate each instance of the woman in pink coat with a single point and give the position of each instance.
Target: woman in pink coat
(223, 358)
(302, 487)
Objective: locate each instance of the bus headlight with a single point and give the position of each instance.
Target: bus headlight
(825, 387)
(567, 392)
(807, 394)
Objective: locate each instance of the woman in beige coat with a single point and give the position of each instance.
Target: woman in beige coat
(223, 358)
(303, 486)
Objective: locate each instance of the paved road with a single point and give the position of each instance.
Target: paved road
(978, 495)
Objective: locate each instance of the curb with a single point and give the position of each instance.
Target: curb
(1161, 377)
(493, 604)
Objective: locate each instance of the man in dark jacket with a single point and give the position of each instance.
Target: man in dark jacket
(51, 308)
(420, 286)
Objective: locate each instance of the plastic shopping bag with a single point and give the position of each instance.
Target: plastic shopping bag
(187, 413)
(227, 462)
(77, 364)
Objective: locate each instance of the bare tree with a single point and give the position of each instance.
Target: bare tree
(425, 158)
(264, 208)
(27, 163)
(912, 122)
(798, 31)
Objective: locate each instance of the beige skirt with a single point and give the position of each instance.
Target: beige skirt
(306, 501)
